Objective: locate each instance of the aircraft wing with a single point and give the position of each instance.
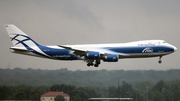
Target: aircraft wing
(83, 52)
(76, 51)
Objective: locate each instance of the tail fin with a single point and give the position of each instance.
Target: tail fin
(18, 37)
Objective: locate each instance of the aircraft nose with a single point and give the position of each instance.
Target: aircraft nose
(175, 48)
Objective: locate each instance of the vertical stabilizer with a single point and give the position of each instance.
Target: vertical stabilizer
(18, 37)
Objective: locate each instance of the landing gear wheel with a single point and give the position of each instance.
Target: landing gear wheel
(90, 64)
(159, 61)
(97, 62)
(96, 65)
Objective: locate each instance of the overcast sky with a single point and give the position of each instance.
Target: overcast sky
(55, 22)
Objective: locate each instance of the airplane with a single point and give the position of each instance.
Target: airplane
(92, 54)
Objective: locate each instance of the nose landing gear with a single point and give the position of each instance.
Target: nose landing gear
(160, 61)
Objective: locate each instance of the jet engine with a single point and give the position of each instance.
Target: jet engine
(111, 58)
(93, 55)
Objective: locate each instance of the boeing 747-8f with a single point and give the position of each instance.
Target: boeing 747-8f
(93, 54)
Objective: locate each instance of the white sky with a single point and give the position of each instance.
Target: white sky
(54, 22)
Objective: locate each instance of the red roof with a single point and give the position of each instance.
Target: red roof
(54, 94)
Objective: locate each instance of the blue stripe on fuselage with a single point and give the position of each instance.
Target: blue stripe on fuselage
(156, 49)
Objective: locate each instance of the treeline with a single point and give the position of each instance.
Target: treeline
(142, 91)
(38, 77)
(23, 92)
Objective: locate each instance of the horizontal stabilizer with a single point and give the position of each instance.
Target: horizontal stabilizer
(19, 49)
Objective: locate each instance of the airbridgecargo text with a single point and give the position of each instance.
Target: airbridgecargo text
(62, 56)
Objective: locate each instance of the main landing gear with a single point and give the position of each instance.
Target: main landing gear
(160, 61)
(90, 64)
(96, 63)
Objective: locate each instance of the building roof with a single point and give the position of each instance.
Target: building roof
(54, 94)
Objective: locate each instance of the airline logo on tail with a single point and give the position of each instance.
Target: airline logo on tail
(22, 39)
(19, 38)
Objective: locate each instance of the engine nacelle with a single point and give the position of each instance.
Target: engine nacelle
(93, 55)
(111, 58)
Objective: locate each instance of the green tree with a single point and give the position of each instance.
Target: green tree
(56, 87)
(175, 90)
(156, 96)
(126, 90)
(59, 98)
(159, 85)
(80, 94)
(112, 91)
(83, 94)
(138, 96)
(77, 98)
(4, 92)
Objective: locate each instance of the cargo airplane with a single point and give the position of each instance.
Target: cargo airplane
(93, 54)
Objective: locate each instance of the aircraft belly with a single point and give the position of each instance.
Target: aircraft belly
(144, 55)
